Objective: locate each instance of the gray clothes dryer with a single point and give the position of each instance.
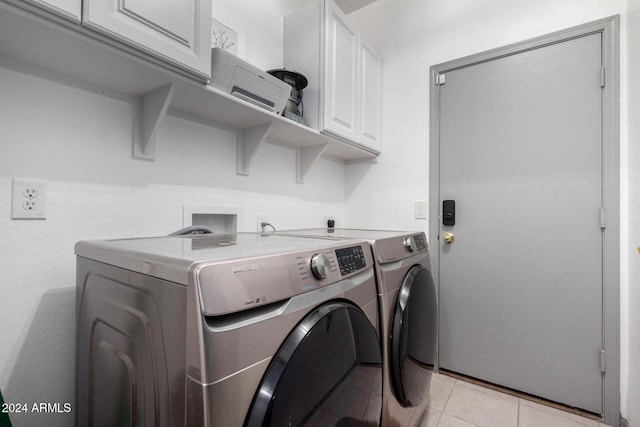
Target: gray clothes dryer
(227, 330)
(408, 317)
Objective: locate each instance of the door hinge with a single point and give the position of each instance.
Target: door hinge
(603, 218)
(603, 361)
(602, 76)
(440, 79)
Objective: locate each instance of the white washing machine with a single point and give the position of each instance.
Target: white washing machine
(227, 330)
(408, 310)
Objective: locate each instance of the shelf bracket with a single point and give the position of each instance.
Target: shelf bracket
(305, 158)
(247, 142)
(151, 111)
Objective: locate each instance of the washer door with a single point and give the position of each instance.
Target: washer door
(328, 371)
(413, 337)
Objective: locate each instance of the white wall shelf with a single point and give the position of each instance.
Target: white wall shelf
(151, 111)
(83, 58)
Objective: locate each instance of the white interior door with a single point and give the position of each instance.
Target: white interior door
(521, 285)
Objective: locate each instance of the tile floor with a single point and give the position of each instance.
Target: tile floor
(457, 403)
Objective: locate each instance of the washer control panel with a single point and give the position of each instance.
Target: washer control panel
(409, 244)
(421, 242)
(415, 243)
(400, 247)
(312, 270)
(351, 259)
(320, 266)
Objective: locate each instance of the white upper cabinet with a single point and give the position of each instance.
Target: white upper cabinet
(343, 98)
(370, 97)
(69, 9)
(340, 75)
(176, 31)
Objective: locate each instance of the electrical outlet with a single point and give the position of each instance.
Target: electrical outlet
(28, 199)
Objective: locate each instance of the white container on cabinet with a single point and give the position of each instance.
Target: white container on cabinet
(176, 31)
(343, 98)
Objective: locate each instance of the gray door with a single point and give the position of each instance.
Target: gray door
(521, 284)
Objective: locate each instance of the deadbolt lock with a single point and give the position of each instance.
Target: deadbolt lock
(448, 238)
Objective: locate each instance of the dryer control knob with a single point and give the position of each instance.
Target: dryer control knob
(320, 266)
(410, 244)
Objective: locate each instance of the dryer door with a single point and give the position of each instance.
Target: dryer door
(413, 337)
(328, 371)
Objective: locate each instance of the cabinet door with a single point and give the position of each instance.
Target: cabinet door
(340, 75)
(176, 31)
(370, 97)
(69, 9)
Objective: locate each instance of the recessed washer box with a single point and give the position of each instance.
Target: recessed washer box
(219, 219)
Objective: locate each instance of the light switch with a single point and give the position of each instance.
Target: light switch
(420, 207)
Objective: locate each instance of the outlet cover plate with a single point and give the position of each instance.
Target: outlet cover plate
(28, 199)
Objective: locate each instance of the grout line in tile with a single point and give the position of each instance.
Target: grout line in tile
(439, 416)
(444, 408)
(521, 396)
(463, 420)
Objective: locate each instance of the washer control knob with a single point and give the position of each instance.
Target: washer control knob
(410, 244)
(320, 266)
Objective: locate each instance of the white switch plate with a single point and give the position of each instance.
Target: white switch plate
(420, 207)
(28, 199)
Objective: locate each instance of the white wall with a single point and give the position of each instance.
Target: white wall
(418, 34)
(260, 28)
(82, 147)
(80, 143)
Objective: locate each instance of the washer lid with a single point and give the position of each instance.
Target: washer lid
(170, 257)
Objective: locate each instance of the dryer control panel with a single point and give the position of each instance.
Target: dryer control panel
(351, 259)
(237, 285)
(400, 247)
(317, 269)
